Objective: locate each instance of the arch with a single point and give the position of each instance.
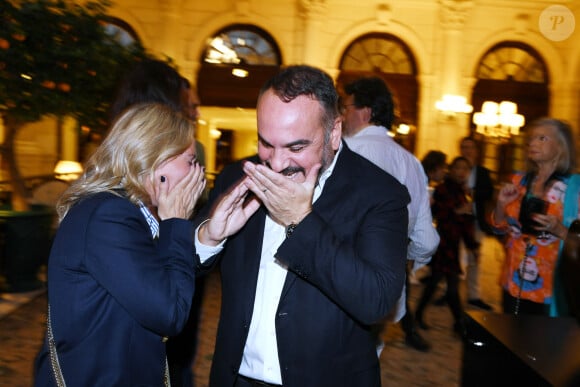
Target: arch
(420, 53)
(123, 28)
(550, 56)
(264, 48)
(394, 54)
(195, 46)
(125, 16)
(222, 79)
(403, 80)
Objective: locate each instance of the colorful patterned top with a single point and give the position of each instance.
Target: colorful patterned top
(530, 260)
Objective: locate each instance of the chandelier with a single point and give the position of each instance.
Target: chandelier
(451, 104)
(500, 121)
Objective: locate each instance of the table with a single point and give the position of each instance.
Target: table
(524, 350)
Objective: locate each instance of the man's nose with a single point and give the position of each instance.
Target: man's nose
(277, 160)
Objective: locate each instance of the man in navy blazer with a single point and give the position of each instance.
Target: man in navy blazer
(313, 249)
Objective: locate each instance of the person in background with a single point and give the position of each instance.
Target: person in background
(153, 80)
(481, 186)
(368, 111)
(181, 349)
(532, 213)
(150, 80)
(435, 166)
(312, 252)
(191, 103)
(453, 213)
(121, 268)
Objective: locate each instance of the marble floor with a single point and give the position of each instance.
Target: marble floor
(23, 317)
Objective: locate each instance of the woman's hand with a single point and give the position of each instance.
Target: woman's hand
(551, 224)
(180, 201)
(507, 194)
(229, 215)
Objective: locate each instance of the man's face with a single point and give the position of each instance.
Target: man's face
(354, 118)
(291, 136)
(468, 149)
(190, 101)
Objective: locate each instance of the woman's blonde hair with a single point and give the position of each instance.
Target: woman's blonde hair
(142, 138)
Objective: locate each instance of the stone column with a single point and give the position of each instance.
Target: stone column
(453, 15)
(313, 12)
(170, 29)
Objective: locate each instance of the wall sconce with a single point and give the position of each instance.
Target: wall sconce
(498, 120)
(403, 129)
(450, 105)
(68, 170)
(240, 73)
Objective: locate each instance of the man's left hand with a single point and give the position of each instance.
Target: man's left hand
(287, 201)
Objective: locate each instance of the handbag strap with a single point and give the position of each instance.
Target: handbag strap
(57, 371)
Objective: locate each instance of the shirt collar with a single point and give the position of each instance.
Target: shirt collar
(151, 220)
(325, 175)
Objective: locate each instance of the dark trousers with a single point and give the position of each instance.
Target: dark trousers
(453, 299)
(242, 381)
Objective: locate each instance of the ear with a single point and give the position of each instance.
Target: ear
(366, 114)
(336, 133)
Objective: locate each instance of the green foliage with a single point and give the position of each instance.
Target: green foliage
(56, 59)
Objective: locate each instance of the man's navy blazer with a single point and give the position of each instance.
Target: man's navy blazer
(346, 268)
(114, 293)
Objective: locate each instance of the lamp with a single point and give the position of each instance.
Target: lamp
(498, 120)
(68, 170)
(453, 104)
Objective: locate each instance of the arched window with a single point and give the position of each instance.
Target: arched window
(235, 63)
(378, 53)
(386, 56)
(121, 30)
(511, 71)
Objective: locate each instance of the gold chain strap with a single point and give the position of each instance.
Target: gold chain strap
(53, 355)
(56, 370)
(167, 380)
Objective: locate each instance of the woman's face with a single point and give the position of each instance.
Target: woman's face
(438, 174)
(174, 170)
(460, 171)
(543, 145)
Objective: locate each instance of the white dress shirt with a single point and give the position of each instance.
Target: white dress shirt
(260, 359)
(375, 144)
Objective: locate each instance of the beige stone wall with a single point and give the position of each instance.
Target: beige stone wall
(447, 38)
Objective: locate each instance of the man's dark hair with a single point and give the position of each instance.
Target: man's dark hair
(373, 92)
(294, 81)
(433, 160)
(150, 80)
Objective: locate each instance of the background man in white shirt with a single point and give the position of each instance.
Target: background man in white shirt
(368, 112)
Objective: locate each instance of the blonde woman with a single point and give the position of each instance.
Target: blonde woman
(121, 269)
(533, 219)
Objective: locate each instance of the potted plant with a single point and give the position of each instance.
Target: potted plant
(56, 59)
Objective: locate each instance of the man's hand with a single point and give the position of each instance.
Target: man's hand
(287, 201)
